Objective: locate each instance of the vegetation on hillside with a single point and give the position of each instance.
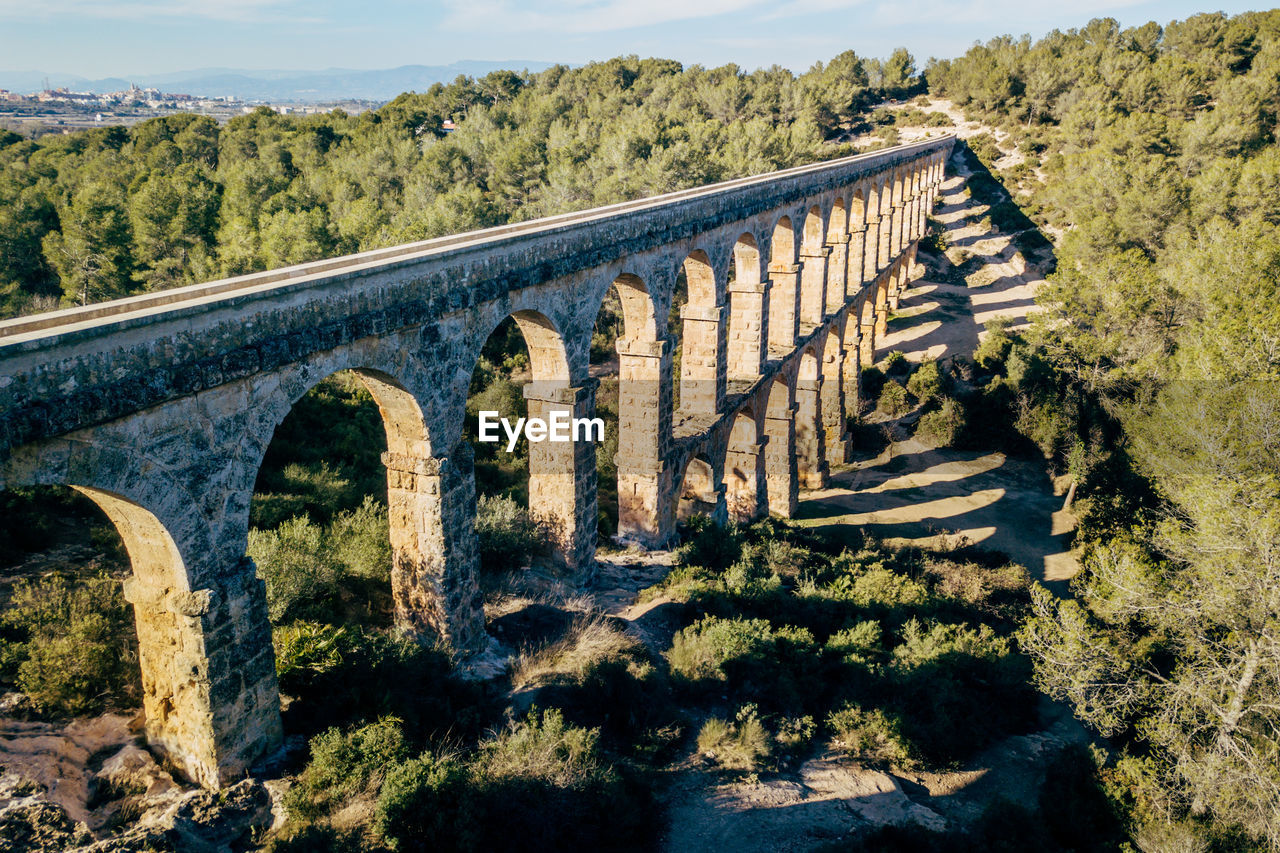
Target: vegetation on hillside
(1154, 150)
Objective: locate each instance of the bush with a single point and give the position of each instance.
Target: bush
(871, 736)
(710, 545)
(893, 399)
(427, 803)
(307, 646)
(345, 765)
(994, 346)
(943, 426)
(508, 538)
(926, 382)
(72, 646)
(748, 657)
(743, 744)
(310, 570)
(896, 362)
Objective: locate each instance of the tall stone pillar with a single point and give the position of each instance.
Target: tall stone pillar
(702, 362)
(813, 281)
(837, 273)
(208, 670)
(872, 251)
(857, 260)
(886, 241)
(898, 218)
(784, 305)
(882, 304)
(562, 478)
(867, 335)
(835, 432)
(897, 282)
(780, 464)
(431, 506)
(644, 418)
(811, 461)
(748, 321)
(852, 370)
(745, 481)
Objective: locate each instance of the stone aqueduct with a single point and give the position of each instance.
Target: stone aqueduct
(161, 407)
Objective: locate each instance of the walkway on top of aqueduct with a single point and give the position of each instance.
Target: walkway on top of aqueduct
(161, 407)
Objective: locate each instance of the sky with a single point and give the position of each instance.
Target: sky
(134, 37)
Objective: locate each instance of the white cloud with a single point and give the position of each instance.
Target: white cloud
(585, 16)
(142, 10)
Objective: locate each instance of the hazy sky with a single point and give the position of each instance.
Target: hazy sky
(99, 39)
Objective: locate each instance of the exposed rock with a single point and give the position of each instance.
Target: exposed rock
(32, 825)
(196, 822)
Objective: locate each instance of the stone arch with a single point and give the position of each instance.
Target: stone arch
(748, 312)
(430, 513)
(837, 243)
(857, 264)
(638, 315)
(813, 278)
(210, 699)
(562, 484)
(698, 493)
(703, 333)
(779, 448)
(835, 438)
(867, 329)
(784, 285)
(744, 478)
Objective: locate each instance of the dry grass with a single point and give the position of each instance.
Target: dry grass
(591, 638)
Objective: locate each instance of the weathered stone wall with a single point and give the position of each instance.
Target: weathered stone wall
(161, 407)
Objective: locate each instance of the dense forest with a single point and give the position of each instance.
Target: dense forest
(1148, 155)
(104, 213)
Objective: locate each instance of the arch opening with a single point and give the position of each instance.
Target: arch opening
(698, 493)
(698, 332)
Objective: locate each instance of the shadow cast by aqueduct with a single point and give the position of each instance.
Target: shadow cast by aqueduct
(161, 407)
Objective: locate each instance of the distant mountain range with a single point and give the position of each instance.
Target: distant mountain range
(331, 84)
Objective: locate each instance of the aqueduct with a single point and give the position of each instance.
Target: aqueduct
(160, 407)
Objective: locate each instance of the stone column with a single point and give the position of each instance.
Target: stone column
(886, 241)
(857, 260)
(867, 336)
(784, 305)
(813, 281)
(562, 479)
(644, 418)
(897, 282)
(852, 370)
(702, 362)
(745, 484)
(431, 505)
(208, 670)
(872, 251)
(748, 315)
(835, 432)
(811, 461)
(780, 464)
(882, 304)
(837, 273)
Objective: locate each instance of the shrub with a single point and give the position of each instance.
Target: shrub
(994, 346)
(943, 426)
(543, 747)
(427, 803)
(871, 736)
(308, 568)
(895, 362)
(862, 643)
(73, 647)
(507, 536)
(893, 399)
(344, 765)
(307, 646)
(926, 382)
(709, 544)
(870, 381)
(743, 744)
(750, 658)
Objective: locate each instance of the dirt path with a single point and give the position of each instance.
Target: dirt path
(915, 493)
